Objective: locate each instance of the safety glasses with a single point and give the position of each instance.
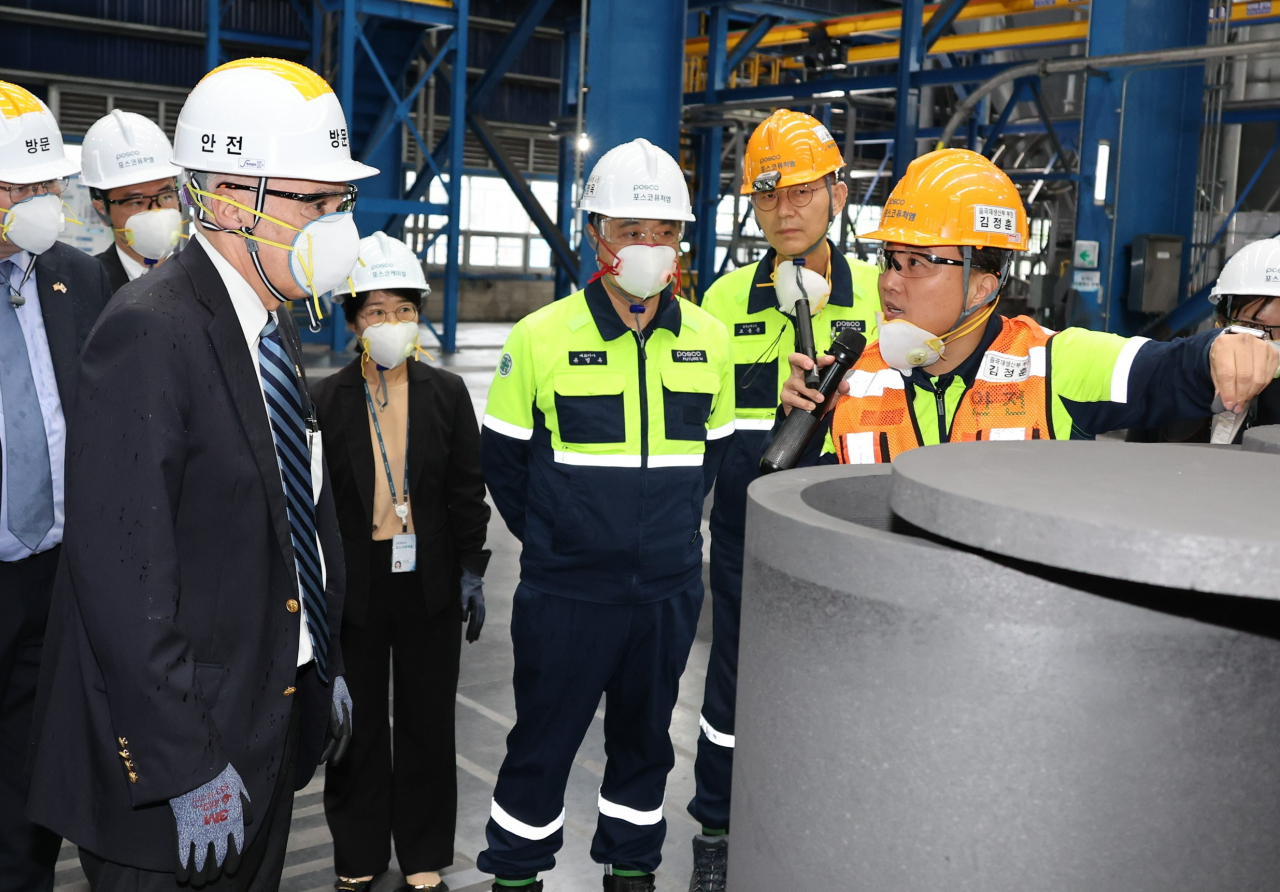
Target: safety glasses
(799, 195)
(314, 204)
(913, 264)
(641, 232)
(30, 190)
(137, 204)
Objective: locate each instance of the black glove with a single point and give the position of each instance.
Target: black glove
(210, 821)
(340, 711)
(472, 604)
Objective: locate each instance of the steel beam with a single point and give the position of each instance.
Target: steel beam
(453, 225)
(941, 20)
(911, 51)
(748, 42)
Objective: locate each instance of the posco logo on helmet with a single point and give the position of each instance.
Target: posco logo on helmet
(646, 187)
(1272, 274)
(382, 269)
(120, 155)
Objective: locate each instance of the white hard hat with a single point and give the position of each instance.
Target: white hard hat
(637, 180)
(124, 148)
(266, 118)
(388, 263)
(30, 142)
(1253, 271)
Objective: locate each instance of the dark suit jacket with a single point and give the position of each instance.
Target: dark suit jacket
(115, 269)
(169, 637)
(68, 311)
(446, 490)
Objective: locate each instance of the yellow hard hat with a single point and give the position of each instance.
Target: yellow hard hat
(954, 197)
(788, 147)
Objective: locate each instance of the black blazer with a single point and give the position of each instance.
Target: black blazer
(170, 649)
(69, 310)
(446, 491)
(115, 268)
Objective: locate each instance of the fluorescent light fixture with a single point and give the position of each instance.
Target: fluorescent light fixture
(832, 94)
(1100, 172)
(584, 144)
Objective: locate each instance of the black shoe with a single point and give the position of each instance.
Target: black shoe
(345, 885)
(438, 887)
(710, 863)
(536, 886)
(629, 884)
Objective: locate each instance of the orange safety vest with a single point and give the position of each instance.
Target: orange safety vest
(1009, 400)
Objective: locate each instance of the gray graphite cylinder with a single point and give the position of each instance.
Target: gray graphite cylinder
(915, 713)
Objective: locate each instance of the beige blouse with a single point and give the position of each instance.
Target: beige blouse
(391, 418)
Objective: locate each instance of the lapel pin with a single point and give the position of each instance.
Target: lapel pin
(58, 286)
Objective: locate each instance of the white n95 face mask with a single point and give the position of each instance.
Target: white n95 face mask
(324, 252)
(390, 343)
(645, 270)
(792, 283)
(153, 234)
(906, 346)
(34, 224)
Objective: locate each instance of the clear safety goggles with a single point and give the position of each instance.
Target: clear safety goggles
(640, 232)
(913, 264)
(314, 204)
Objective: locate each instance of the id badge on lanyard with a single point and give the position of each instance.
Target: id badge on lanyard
(404, 545)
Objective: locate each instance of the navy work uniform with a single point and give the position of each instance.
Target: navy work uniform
(599, 449)
(763, 337)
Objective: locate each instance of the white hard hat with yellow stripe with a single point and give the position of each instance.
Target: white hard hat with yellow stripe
(266, 118)
(30, 141)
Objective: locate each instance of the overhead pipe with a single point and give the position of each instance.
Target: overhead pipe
(1070, 64)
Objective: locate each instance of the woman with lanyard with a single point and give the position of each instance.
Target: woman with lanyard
(403, 454)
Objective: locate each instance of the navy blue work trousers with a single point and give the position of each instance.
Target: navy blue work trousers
(713, 770)
(568, 652)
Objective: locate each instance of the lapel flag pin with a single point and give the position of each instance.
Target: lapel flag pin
(58, 286)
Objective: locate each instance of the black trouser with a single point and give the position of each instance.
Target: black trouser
(263, 861)
(27, 852)
(369, 799)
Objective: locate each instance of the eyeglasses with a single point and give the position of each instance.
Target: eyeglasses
(403, 313)
(137, 204)
(914, 264)
(637, 232)
(799, 195)
(29, 190)
(1270, 332)
(315, 204)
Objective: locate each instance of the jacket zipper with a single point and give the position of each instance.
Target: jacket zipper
(939, 391)
(644, 404)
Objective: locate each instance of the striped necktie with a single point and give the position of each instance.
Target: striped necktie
(289, 431)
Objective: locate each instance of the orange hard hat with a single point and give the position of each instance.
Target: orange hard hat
(954, 197)
(788, 147)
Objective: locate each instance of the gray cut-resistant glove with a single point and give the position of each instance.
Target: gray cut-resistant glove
(340, 712)
(210, 822)
(472, 603)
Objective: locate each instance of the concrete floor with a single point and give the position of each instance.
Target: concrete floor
(485, 712)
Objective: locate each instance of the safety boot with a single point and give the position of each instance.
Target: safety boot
(629, 884)
(710, 863)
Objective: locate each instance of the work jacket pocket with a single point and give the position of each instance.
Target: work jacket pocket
(687, 397)
(590, 408)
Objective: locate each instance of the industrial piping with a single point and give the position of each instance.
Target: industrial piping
(1082, 63)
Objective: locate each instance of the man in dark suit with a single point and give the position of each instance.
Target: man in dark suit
(50, 295)
(191, 672)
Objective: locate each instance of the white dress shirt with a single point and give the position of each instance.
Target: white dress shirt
(31, 320)
(132, 268)
(253, 316)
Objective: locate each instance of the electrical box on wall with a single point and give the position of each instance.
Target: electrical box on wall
(1155, 270)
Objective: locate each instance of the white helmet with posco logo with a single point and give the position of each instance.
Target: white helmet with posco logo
(386, 264)
(637, 180)
(270, 118)
(30, 141)
(1253, 271)
(31, 152)
(124, 148)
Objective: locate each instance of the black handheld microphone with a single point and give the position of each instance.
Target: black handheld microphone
(804, 325)
(796, 432)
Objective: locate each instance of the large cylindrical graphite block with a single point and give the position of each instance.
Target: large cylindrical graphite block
(914, 714)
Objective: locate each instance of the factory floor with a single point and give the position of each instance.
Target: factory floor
(485, 712)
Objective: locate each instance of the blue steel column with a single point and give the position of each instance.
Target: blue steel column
(710, 143)
(347, 60)
(568, 149)
(635, 74)
(1152, 173)
(908, 118)
(457, 132)
(212, 34)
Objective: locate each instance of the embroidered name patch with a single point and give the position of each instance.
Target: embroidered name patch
(688, 355)
(743, 329)
(588, 357)
(839, 325)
